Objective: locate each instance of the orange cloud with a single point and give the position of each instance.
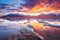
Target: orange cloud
(45, 6)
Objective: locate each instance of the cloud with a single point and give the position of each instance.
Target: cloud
(30, 3)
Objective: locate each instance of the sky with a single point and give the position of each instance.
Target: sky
(17, 3)
(6, 1)
(34, 5)
(27, 3)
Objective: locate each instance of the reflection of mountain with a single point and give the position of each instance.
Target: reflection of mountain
(19, 17)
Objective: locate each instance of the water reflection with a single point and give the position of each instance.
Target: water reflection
(41, 28)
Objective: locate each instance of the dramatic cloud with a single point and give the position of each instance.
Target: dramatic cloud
(31, 6)
(31, 3)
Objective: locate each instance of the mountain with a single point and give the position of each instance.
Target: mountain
(20, 16)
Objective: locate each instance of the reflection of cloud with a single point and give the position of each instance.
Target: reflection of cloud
(13, 24)
(25, 28)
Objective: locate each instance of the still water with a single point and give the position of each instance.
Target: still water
(8, 28)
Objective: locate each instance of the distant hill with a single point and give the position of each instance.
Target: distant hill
(20, 17)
